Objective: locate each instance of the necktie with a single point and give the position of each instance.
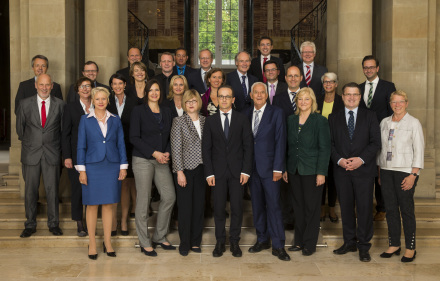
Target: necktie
(256, 122)
(272, 92)
(43, 113)
(308, 75)
(293, 101)
(180, 70)
(226, 125)
(351, 124)
(264, 75)
(203, 79)
(370, 95)
(243, 85)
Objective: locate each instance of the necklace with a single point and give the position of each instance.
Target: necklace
(100, 119)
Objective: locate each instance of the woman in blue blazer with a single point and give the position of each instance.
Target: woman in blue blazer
(102, 163)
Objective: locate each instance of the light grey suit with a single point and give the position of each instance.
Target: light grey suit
(40, 154)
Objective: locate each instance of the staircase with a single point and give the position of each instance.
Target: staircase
(138, 36)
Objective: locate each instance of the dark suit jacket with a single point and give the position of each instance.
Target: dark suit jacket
(270, 141)
(71, 118)
(172, 106)
(315, 83)
(27, 89)
(73, 96)
(365, 143)
(36, 140)
(381, 99)
(337, 105)
(164, 83)
(126, 73)
(195, 81)
(241, 102)
(234, 153)
(281, 87)
(256, 70)
(282, 100)
(188, 71)
(145, 133)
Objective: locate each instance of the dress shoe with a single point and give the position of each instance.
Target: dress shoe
(149, 253)
(307, 252)
(183, 252)
(379, 216)
(258, 247)
(196, 249)
(56, 231)
(110, 254)
(93, 257)
(132, 215)
(27, 232)
(322, 218)
(289, 226)
(281, 254)
(219, 250)
(114, 232)
(333, 219)
(235, 250)
(345, 249)
(295, 248)
(81, 233)
(405, 259)
(389, 255)
(364, 256)
(124, 232)
(164, 246)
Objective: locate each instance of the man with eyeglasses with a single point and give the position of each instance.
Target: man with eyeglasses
(274, 86)
(196, 79)
(91, 71)
(376, 97)
(312, 71)
(181, 68)
(227, 150)
(134, 55)
(355, 140)
(265, 46)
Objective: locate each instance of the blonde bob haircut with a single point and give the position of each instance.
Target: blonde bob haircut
(100, 89)
(399, 93)
(185, 85)
(306, 91)
(190, 94)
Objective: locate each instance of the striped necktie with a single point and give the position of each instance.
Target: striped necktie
(370, 95)
(308, 75)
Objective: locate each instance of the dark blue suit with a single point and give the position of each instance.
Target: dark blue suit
(269, 153)
(242, 102)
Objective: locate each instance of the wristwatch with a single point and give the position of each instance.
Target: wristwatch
(414, 174)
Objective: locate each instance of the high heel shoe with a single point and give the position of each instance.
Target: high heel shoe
(92, 257)
(110, 254)
(389, 255)
(405, 259)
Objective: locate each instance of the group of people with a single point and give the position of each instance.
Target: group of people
(200, 133)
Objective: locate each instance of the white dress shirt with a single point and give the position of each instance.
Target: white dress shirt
(46, 103)
(84, 107)
(312, 65)
(246, 80)
(120, 108)
(367, 88)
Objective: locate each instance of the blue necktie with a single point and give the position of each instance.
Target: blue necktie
(351, 124)
(180, 70)
(293, 101)
(226, 125)
(243, 85)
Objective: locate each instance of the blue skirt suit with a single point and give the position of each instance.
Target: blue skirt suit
(103, 158)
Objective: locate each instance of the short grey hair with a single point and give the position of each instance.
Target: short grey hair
(330, 75)
(308, 44)
(236, 56)
(258, 83)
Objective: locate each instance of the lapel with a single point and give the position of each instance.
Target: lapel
(306, 124)
(359, 123)
(218, 121)
(343, 119)
(377, 92)
(51, 112)
(151, 118)
(109, 125)
(36, 111)
(264, 119)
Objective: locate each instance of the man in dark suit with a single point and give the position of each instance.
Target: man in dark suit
(181, 68)
(40, 65)
(269, 129)
(376, 97)
(312, 71)
(241, 81)
(39, 119)
(274, 85)
(265, 46)
(355, 139)
(91, 71)
(196, 79)
(133, 55)
(227, 150)
(164, 78)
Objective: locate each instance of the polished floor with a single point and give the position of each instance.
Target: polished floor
(62, 264)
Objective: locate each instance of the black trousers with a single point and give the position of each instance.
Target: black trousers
(223, 185)
(286, 200)
(330, 187)
(191, 204)
(380, 205)
(76, 196)
(399, 203)
(307, 209)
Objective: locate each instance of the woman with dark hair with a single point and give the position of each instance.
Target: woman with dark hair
(150, 127)
(214, 79)
(178, 86)
(139, 78)
(71, 117)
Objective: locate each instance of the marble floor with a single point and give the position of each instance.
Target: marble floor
(70, 264)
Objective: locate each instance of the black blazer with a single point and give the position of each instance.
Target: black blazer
(126, 73)
(172, 106)
(281, 87)
(188, 71)
(69, 135)
(145, 133)
(256, 70)
(381, 99)
(365, 143)
(130, 90)
(282, 100)
(195, 81)
(241, 102)
(234, 153)
(73, 96)
(164, 83)
(337, 105)
(27, 89)
(315, 83)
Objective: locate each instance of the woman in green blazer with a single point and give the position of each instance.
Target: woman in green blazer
(308, 155)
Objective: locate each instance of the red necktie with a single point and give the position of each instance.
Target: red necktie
(308, 75)
(43, 114)
(264, 76)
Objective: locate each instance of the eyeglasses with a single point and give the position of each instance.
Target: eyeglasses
(90, 71)
(369, 67)
(293, 76)
(329, 82)
(352, 95)
(307, 52)
(224, 97)
(85, 87)
(400, 102)
(190, 102)
(271, 70)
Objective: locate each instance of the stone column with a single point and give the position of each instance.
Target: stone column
(437, 91)
(123, 33)
(102, 35)
(332, 36)
(355, 19)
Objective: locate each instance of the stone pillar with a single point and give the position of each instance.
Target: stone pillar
(332, 36)
(123, 33)
(355, 19)
(102, 35)
(437, 91)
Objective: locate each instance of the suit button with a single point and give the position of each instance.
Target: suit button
(103, 142)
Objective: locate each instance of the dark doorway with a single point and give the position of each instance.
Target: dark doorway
(5, 78)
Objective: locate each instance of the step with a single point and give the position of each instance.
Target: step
(11, 180)
(9, 192)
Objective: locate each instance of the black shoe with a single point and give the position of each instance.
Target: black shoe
(405, 259)
(389, 255)
(149, 253)
(219, 250)
(322, 218)
(364, 256)
(56, 231)
(333, 219)
(281, 254)
(27, 232)
(307, 252)
(183, 252)
(110, 254)
(93, 257)
(289, 226)
(295, 248)
(164, 246)
(258, 247)
(235, 249)
(114, 232)
(196, 249)
(345, 249)
(124, 232)
(132, 215)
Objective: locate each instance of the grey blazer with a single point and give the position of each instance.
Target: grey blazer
(186, 145)
(36, 140)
